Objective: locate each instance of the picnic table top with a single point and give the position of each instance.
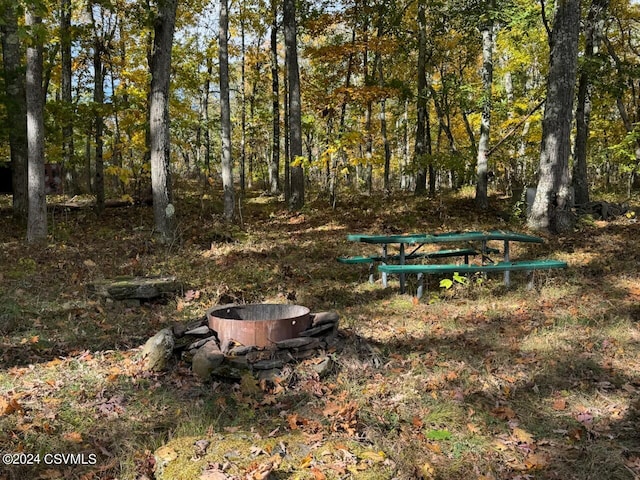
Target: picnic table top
(419, 238)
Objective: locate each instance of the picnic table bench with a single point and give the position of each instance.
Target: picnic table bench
(372, 259)
(422, 269)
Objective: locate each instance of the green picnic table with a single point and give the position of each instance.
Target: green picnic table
(418, 240)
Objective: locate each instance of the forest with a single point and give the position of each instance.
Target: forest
(166, 159)
(373, 96)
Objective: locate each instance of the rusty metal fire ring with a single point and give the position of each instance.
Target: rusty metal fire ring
(258, 324)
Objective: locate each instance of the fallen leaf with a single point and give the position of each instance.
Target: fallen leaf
(375, 457)
(74, 437)
(522, 436)
(7, 407)
(503, 413)
(559, 404)
(317, 474)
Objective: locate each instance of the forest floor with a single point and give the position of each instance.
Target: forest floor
(471, 382)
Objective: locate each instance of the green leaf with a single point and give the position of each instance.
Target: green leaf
(439, 435)
(446, 283)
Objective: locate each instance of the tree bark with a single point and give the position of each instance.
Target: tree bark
(421, 105)
(482, 199)
(225, 113)
(16, 107)
(274, 165)
(37, 217)
(295, 108)
(98, 100)
(163, 208)
(550, 210)
(593, 29)
(68, 147)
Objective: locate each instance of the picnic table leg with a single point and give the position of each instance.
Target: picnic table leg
(507, 273)
(384, 262)
(402, 275)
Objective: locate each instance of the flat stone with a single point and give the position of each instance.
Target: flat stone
(267, 364)
(198, 343)
(206, 360)
(321, 318)
(157, 351)
(179, 329)
(204, 330)
(310, 332)
(144, 288)
(294, 342)
(241, 350)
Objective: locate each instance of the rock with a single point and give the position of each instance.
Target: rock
(321, 318)
(143, 288)
(206, 360)
(179, 329)
(158, 350)
(310, 332)
(323, 367)
(267, 364)
(294, 342)
(204, 330)
(199, 343)
(240, 350)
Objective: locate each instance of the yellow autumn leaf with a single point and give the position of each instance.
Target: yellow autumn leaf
(522, 436)
(375, 457)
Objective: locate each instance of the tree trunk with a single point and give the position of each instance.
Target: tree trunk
(243, 105)
(98, 100)
(550, 210)
(482, 199)
(422, 111)
(16, 108)
(163, 208)
(295, 108)
(593, 30)
(67, 99)
(274, 165)
(37, 217)
(225, 113)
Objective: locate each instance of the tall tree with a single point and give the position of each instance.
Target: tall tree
(422, 145)
(16, 107)
(295, 107)
(486, 28)
(163, 208)
(592, 33)
(550, 210)
(66, 86)
(225, 112)
(37, 218)
(274, 164)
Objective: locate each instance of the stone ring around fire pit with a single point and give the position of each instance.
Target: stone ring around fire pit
(231, 340)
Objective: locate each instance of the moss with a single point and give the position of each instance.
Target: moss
(240, 452)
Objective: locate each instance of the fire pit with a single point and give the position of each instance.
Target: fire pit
(230, 340)
(258, 324)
